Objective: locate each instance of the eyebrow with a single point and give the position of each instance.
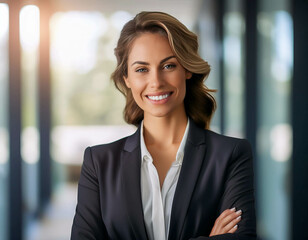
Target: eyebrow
(146, 63)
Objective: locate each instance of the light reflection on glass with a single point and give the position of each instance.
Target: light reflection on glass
(118, 19)
(281, 142)
(4, 22)
(29, 39)
(278, 27)
(82, 60)
(4, 156)
(74, 44)
(29, 27)
(233, 67)
(209, 47)
(69, 142)
(281, 68)
(274, 140)
(30, 143)
(4, 135)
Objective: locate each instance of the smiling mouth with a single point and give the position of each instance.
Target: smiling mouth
(159, 97)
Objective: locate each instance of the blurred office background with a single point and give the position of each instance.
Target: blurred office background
(56, 98)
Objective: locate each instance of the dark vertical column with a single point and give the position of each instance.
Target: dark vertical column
(299, 122)
(44, 106)
(251, 93)
(251, 108)
(15, 167)
(219, 19)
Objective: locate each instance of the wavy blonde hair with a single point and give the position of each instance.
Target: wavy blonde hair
(199, 103)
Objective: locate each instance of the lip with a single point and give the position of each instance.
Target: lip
(161, 101)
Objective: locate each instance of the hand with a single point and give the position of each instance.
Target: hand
(226, 222)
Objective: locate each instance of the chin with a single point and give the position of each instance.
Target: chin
(164, 112)
(161, 114)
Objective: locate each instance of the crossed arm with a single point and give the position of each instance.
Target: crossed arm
(239, 223)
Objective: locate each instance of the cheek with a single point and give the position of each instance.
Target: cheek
(137, 89)
(132, 83)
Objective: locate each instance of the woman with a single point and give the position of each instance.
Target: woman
(173, 178)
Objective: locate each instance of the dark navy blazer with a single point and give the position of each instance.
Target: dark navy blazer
(217, 174)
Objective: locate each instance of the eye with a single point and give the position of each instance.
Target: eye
(141, 70)
(169, 66)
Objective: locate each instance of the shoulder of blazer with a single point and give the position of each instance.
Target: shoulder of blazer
(227, 143)
(215, 140)
(198, 135)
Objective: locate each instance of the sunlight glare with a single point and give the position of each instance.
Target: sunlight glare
(4, 21)
(119, 18)
(30, 141)
(29, 27)
(75, 39)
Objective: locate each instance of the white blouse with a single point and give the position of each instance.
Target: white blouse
(157, 203)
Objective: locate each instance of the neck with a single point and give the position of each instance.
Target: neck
(164, 131)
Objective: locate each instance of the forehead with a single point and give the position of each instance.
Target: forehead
(150, 47)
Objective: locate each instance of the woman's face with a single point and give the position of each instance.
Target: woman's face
(157, 80)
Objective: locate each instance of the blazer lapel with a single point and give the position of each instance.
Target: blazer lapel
(130, 168)
(193, 158)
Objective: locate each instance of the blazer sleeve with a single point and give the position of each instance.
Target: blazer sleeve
(239, 193)
(88, 223)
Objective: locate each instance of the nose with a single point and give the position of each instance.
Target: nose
(156, 79)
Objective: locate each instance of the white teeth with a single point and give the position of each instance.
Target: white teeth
(157, 98)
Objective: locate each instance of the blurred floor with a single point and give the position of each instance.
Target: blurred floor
(57, 222)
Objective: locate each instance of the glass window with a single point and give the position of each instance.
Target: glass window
(207, 33)
(274, 143)
(86, 107)
(29, 39)
(4, 136)
(233, 44)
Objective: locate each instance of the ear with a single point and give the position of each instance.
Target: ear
(188, 75)
(126, 81)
